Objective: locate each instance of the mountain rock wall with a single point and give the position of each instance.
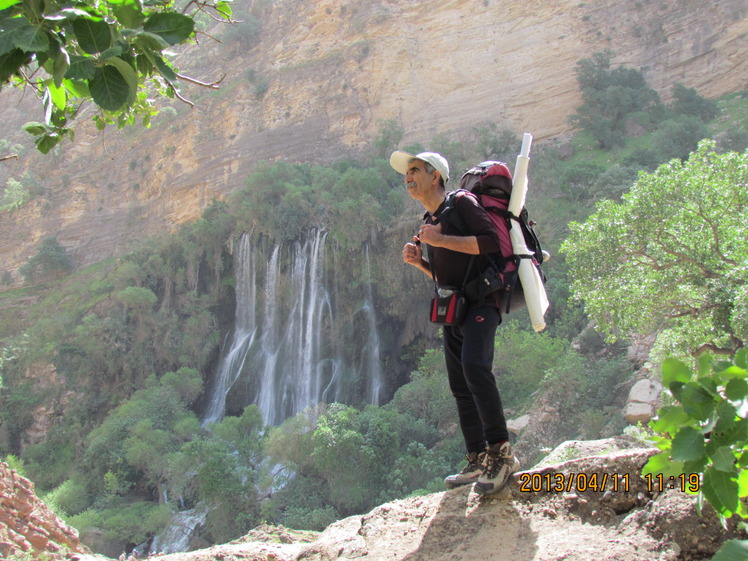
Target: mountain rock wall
(319, 79)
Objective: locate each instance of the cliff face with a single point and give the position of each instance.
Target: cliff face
(332, 70)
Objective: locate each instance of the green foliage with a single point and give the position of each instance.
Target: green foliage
(670, 257)
(610, 96)
(389, 136)
(521, 360)
(284, 200)
(494, 143)
(70, 498)
(427, 396)
(706, 430)
(138, 440)
(104, 51)
(14, 195)
(578, 180)
(734, 140)
(16, 463)
(678, 137)
(687, 101)
(133, 523)
(51, 260)
(348, 461)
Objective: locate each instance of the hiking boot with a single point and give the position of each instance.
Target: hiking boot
(470, 472)
(499, 466)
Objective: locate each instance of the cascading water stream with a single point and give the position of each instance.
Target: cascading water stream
(372, 349)
(245, 328)
(288, 356)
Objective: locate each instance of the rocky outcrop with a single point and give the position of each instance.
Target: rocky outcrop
(590, 508)
(29, 527)
(643, 401)
(588, 502)
(333, 70)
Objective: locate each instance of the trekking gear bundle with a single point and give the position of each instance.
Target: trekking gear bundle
(490, 183)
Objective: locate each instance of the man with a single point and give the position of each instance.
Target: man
(468, 346)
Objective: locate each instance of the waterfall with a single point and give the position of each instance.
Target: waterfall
(295, 373)
(232, 361)
(178, 532)
(288, 344)
(372, 348)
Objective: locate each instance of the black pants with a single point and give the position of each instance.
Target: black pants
(468, 349)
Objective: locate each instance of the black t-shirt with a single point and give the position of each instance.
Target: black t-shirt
(450, 266)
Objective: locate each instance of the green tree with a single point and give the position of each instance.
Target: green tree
(106, 52)
(51, 260)
(610, 96)
(687, 101)
(14, 195)
(671, 257)
(678, 137)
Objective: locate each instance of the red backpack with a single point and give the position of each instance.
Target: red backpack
(491, 183)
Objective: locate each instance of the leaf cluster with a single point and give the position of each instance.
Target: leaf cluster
(706, 430)
(71, 52)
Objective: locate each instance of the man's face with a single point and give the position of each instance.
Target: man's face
(418, 181)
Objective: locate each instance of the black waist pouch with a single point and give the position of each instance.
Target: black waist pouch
(448, 307)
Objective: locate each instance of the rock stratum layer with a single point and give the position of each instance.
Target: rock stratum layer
(28, 527)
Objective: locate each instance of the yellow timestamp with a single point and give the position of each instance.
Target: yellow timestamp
(686, 482)
(567, 482)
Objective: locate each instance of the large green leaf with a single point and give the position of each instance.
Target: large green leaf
(696, 401)
(724, 459)
(11, 62)
(720, 490)
(150, 42)
(674, 370)
(20, 33)
(57, 95)
(688, 445)
(129, 74)
(109, 89)
(61, 66)
(93, 35)
(172, 27)
(8, 3)
(732, 550)
(81, 68)
(161, 65)
(128, 12)
(669, 419)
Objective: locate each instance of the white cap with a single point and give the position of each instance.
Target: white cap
(400, 162)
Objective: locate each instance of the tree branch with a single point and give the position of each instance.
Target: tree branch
(715, 236)
(720, 350)
(211, 85)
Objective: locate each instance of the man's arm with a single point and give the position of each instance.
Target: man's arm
(431, 234)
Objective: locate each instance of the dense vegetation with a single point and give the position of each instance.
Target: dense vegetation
(132, 340)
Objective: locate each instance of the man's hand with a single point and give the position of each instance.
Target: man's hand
(430, 234)
(412, 253)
